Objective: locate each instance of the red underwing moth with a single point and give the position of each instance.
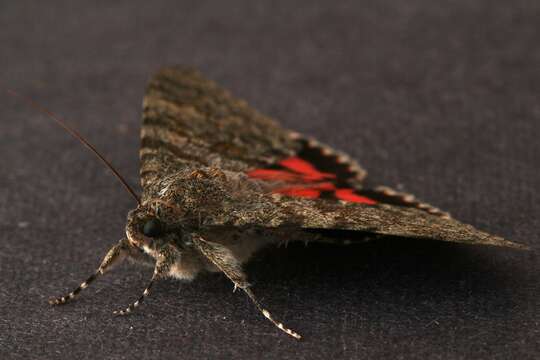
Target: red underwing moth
(221, 181)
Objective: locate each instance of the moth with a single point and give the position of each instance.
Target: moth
(222, 181)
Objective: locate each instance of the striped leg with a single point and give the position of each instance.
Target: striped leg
(267, 315)
(167, 257)
(224, 260)
(114, 256)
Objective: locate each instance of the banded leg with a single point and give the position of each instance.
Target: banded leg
(114, 256)
(267, 315)
(225, 261)
(167, 257)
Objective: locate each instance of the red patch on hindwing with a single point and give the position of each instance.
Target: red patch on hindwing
(319, 172)
(312, 192)
(305, 180)
(349, 195)
(308, 171)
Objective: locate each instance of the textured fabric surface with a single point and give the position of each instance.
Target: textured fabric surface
(439, 98)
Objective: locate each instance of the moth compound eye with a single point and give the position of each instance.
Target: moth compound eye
(152, 228)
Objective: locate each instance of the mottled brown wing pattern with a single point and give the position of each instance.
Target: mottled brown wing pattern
(189, 120)
(283, 212)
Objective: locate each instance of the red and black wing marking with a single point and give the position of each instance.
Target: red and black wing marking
(324, 195)
(189, 121)
(317, 171)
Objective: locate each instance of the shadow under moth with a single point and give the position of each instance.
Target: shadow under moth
(221, 181)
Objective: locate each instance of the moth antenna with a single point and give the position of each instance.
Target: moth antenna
(79, 137)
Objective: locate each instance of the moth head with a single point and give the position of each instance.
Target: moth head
(153, 224)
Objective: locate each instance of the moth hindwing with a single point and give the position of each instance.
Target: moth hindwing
(220, 181)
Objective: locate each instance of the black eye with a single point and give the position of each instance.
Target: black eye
(152, 228)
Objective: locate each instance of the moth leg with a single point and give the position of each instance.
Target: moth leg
(168, 255)
(114, 256)
(225, 261)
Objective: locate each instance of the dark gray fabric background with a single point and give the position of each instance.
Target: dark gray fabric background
(440, 98)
